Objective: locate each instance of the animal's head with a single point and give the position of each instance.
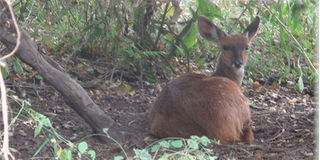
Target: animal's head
(234, 47)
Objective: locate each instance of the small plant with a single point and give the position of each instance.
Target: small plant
(176, 149)
(43, 124)
(54, 140)
(180, 148)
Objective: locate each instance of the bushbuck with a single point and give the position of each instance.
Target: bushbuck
(211, 106)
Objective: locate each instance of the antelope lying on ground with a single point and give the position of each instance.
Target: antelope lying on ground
(214, 106)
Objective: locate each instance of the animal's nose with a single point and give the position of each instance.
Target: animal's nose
(238, 64)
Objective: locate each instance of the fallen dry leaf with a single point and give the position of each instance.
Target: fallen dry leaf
(259, 89)
(275, 86)
(256, 83)
(162, 46)
(283, 111)
(292, 101)
(259, 156)
(123, 89)
(146, 139)
(310, 154)
(59, 152)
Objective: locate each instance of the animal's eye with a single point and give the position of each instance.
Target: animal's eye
(247, 48)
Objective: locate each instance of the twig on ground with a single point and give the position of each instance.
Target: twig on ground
(278, 135)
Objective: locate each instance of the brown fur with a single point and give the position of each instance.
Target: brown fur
(235, 41)
(195, 104)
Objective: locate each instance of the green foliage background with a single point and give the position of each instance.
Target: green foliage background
(154, 40)
(145, 40)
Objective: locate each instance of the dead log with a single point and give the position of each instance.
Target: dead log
(74, 95)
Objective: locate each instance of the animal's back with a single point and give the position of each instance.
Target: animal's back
(195, 104)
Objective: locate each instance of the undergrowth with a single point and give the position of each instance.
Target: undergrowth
(43, 126)
(164, 149)
(283, 50)
(164, 43)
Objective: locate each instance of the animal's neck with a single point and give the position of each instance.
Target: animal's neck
(232, 73)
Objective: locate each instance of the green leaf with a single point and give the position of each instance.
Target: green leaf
(89, 27)
(5, 72)
(55, 148)
(17, 66)
(170, 11)
(200, 61)
(38, 129)
(105, 130)
(97, 32)
(213, 157)
(82, 147)
(69, 155)
(70, 144)
(190, 38)
(41, 147)
(283, 36)
(165, 156)
(164, 144)
(168, 71)
(208, 150)
(118, 158)
(66, 155)
(38, 77)
(188, 157)
(130, 52)
(194, 137)
(296, 12)
(208, 9)
(142, 154)
(46, 121)
(193, 144)
(177, 144)
(114, 32)
(180, 50)
(92, 154)
(300, 85)
(204, 140)
(150, 77)
(294, 73)
(169, 37)
(155, 148)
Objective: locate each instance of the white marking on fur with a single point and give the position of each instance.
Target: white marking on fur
(239, 71)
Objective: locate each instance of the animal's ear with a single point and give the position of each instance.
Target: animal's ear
(251, 30)
(209, 31)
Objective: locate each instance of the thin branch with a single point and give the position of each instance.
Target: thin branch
(170, 22)
(161, 25)
(68, 16)
(242, 13)
(3, 10)
(170, 66)
(4, 101)
(30, 11)
(18, 33)
(23, 9)
(294, 39)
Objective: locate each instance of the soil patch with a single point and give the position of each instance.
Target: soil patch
(283, 121)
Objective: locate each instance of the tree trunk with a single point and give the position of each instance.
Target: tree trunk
(74, 95)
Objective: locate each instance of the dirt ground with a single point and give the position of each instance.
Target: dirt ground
(283, 120)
